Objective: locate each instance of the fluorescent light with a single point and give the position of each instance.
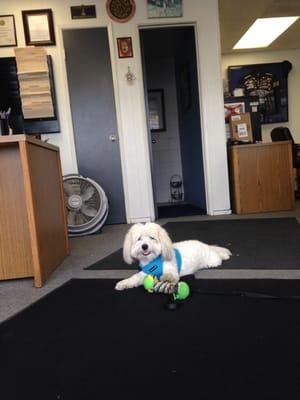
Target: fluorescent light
(264, 31)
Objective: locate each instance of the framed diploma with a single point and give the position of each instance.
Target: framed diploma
(8, 35)
(38, 27)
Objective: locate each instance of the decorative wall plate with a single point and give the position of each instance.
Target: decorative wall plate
(120, 10)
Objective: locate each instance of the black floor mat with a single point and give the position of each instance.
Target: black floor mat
(179, 210)
(87, 341)
(266, 243)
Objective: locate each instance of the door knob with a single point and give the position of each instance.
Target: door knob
(112, 137)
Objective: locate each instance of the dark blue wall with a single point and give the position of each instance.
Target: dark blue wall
(189, 121)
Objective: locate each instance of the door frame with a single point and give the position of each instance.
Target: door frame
(205, 169)
(149, 138)
(67, 112)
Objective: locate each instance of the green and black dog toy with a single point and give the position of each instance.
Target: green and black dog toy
(180, 290)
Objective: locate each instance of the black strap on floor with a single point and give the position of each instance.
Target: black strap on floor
(254, 295)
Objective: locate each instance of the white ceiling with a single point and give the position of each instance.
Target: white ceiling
(236, 16)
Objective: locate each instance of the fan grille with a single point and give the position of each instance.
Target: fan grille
(86, 204)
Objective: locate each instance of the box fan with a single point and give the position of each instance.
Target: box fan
(86, 204)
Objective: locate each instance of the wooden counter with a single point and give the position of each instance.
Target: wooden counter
(261, 177)
(33, 227)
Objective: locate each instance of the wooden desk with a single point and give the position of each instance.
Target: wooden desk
(33, 228)
(261, 177)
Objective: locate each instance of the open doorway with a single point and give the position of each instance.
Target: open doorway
(171, 89)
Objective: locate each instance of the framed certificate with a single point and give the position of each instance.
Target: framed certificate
(8, 35)
(38, 27)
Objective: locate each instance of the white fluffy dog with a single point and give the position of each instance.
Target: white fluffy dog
(152, 247)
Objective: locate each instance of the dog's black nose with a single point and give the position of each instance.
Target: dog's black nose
(144, 246)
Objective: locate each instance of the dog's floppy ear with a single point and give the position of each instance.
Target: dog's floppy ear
(166, 244)
(128, 242)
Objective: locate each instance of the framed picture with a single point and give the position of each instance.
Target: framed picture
(38, 27)
(82, 12)
(125, 47)
(8, 35)
(267, 81)
(156, 105)
(164, 8)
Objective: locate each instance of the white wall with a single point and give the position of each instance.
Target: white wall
(293, 84)
(130, 97)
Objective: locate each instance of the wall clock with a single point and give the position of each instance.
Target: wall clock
(120, 10)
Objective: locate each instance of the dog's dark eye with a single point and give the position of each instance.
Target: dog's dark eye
(152, 238)
(140, 238)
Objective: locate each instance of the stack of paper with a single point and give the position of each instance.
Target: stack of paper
(31, 59)
(35, 89)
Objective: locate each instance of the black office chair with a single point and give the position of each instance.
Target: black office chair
(283, 133)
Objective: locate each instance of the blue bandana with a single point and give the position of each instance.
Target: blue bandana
(155, 267)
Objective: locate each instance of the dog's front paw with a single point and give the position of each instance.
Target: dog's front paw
(169, 277)
(122, 285)
(226, 254)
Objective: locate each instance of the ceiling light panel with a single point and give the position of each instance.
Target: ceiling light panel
(264, 31)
